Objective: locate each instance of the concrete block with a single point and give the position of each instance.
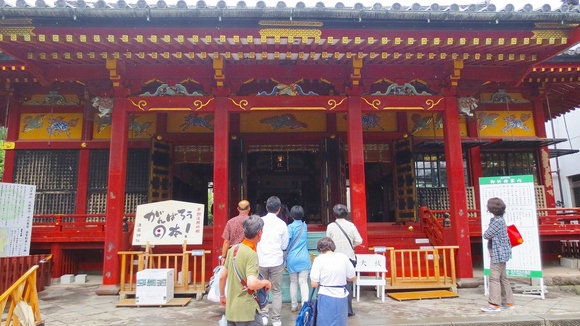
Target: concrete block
(67, 279)
(81, 278)
(180, 278)
(569, 262)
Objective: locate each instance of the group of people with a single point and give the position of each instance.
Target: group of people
(256, 247)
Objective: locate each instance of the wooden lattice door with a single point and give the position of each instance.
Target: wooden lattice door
(405, 191)
(160, 187)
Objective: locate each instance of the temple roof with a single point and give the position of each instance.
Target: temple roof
(321, 10)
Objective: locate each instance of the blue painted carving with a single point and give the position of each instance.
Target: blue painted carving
(485, 120)
(192, 120)
(53, 98)
(401, 90)
(285, 120)
(421, 123)
(287, 90)
(512, 123)
(370, 121)
(166, 90)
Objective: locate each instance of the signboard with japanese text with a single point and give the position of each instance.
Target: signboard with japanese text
(16, 210)
(518, 194)
(168, 222)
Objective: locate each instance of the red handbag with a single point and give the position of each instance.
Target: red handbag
(514, 235)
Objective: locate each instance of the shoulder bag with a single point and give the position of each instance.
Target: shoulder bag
(292, 244)
(349, 242)
(260, 295)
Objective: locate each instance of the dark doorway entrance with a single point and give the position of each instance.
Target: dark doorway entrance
(292, 176)
(380, 195)
(193, 182)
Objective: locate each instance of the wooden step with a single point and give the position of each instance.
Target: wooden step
(419, 295)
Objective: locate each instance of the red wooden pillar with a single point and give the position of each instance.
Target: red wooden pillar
(456, 186)
(83, 181)
(10, 153)
(220, 174)
(474, 159)
(115, 197)
(356, 168)
(543, 153)
(56, 252)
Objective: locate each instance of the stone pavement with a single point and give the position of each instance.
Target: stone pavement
(77, 304)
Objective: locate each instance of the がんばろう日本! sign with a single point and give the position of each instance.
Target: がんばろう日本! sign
(169, 222)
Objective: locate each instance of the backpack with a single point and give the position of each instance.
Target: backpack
(307, 314)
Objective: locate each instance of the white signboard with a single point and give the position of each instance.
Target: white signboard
(16, 210)
(519, 196)
(169, 222)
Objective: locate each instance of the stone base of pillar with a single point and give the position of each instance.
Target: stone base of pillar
(107, 290)
(464, 283)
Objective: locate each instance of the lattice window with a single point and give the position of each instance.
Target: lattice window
(136, 182)
(54, 172)
(508, 163)
(435, 198)
(431, 170)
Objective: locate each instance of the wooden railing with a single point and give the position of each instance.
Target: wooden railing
(423, 268)
(23, 290)
(193, 262)
(429, 268)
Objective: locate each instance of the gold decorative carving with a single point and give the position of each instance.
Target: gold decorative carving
(17, 21)
(291, 108)
(374, 104)
(241, 104)
(199, 104)
(555, 26)
(290, 32)
(430, 103)
(333, 104)
(290, 23)
(17, 30)
(140, 105)
(550, 33)
(8, 145)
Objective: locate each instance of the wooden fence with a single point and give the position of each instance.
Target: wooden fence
(12, 268)
(429, 268)
(187, 263)
(23, 290)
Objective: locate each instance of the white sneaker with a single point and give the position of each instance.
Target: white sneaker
(508, 307)
(491, 309)
(264, 320)
(277, 323)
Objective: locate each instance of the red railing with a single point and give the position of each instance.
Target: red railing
(431, 226)
(560, 222)
(69, 227)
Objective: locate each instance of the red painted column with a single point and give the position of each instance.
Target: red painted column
(83, 181)
(115, 193)
(356, 168)
(10, 154)
(56, 252)
(456, 186)
(543, 153)
(220, 174)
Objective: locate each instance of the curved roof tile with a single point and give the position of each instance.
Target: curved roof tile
(224, 5)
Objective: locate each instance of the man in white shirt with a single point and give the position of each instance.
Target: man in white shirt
(271, 256)
(345, 236)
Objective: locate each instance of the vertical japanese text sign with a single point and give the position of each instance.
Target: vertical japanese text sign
(519, 195)
(169, 222)
(16, 210)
